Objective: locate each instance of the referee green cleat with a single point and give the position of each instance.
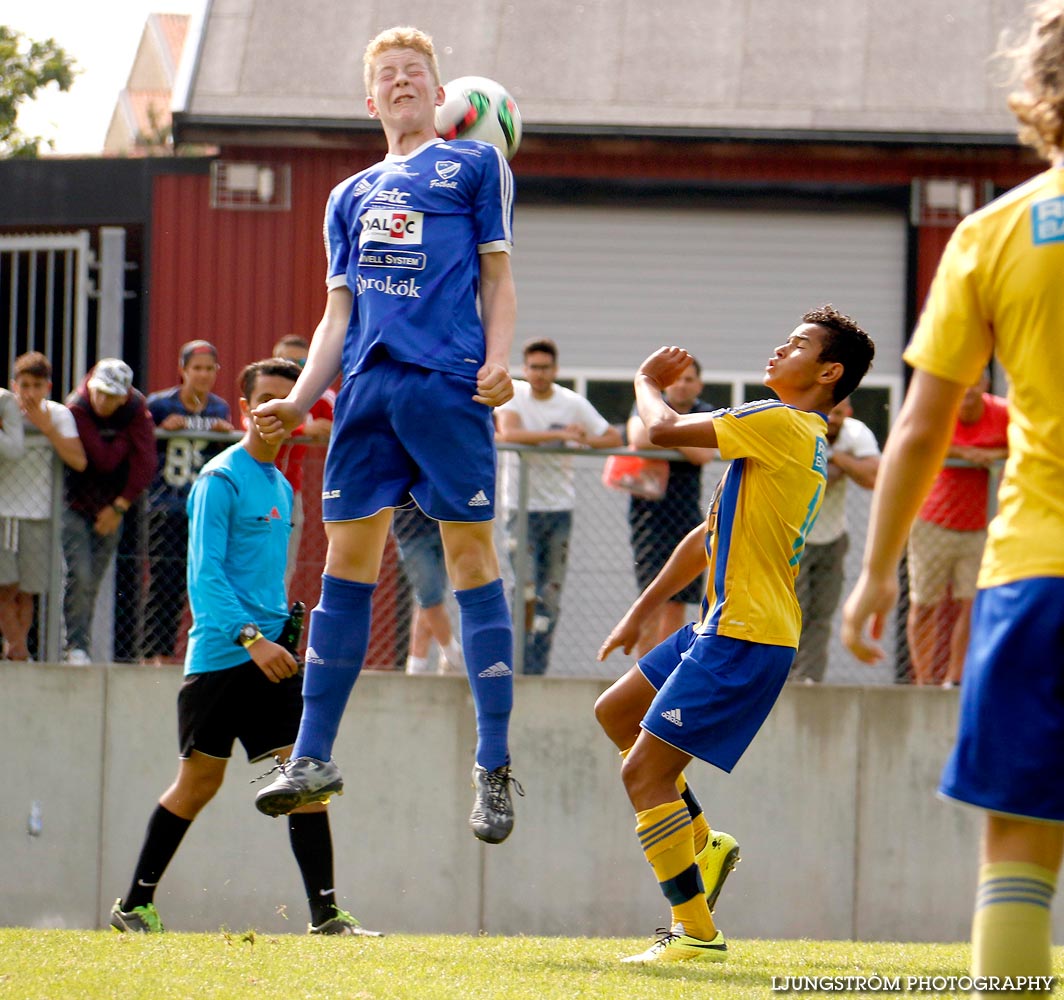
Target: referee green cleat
(141, 919)
(673, 945)
(301, 781)
(716, 861)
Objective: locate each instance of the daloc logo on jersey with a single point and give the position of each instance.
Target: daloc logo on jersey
(1047, 221)
(385, 225)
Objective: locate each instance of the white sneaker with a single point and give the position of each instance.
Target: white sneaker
(418, 665)
(79, 658)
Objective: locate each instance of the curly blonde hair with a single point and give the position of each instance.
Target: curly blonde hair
(399, 38)
(1038, 68)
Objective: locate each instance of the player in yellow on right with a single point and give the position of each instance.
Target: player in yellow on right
(705, 691)
(999, 290)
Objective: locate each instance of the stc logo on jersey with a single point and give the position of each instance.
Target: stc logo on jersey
(386, 225)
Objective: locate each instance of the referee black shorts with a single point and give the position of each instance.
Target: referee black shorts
(239, 703)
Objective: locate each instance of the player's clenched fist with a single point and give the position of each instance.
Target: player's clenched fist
(276, 419)
(494, 385)
(666, 365)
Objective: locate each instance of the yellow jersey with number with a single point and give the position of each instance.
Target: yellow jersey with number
(762, 511)
(999, 289)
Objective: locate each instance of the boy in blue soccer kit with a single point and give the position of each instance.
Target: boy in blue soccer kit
(412, 243)
(240, 681)
(705, 691)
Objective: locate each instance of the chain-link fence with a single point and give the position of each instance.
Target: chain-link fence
(141, 610)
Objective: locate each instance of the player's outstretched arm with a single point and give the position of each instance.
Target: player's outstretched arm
(915, 451)
(498, 311)
(277, 418)
(684, 565)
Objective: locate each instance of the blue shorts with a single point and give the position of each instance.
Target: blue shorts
(714, 692)
(1010, 739)
(402, 431)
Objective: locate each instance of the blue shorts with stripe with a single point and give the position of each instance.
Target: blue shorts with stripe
(714, 692)
(402, 431)
(1010, 739)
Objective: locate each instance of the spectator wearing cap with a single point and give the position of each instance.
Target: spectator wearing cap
(183, 409)
(314, 430)
(118, 436)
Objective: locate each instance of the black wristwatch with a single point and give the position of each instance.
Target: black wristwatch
(248, 634)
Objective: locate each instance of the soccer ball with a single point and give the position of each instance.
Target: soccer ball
(475, 107)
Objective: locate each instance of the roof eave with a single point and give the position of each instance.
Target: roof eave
(240, 130)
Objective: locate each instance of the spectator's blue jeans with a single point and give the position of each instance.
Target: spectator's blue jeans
(548, 559)
(87, 556)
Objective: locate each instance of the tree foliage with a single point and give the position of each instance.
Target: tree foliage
(26, 67)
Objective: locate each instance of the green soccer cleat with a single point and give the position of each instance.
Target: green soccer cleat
(716, 861)
(673, 945)
(342, 922)
(141, 919)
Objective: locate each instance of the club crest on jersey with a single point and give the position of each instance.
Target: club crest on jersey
(381, 225)
(446, 169)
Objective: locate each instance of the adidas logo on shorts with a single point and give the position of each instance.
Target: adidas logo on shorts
(498, 669)
(672, 715)
(312, 657)
(480, 499)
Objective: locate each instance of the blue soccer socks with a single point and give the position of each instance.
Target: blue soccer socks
(488, 645)
(336, 648)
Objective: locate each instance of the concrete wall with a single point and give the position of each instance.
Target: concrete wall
(833, 805)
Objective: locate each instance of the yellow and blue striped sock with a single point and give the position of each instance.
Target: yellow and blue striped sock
(1011, 930)
(699, 824)
(665, 836)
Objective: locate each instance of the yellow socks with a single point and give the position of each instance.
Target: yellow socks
(665, 834)
(1011, 932)
(699, 826)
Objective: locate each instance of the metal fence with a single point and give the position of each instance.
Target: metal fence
(599, 585)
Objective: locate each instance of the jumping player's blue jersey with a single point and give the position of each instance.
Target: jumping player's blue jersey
(405, 235)
(240, 516)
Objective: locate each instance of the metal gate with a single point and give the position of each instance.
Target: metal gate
(44, 301)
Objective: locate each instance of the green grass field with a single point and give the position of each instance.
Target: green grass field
(72, 965)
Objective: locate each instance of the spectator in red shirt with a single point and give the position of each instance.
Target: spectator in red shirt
(316, 429)
(118, 435)
(947, 539)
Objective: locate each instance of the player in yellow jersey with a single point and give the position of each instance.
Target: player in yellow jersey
(999, 289)
(705, 691)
